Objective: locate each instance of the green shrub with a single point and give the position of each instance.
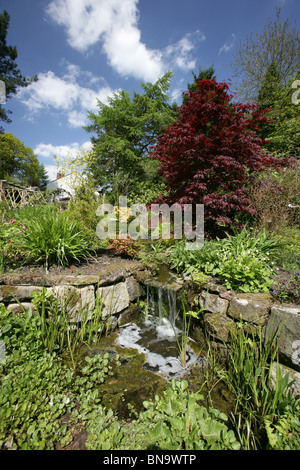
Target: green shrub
(175, 421)
(82, 209)
(10, 231)
(243, 262)
(284, 432)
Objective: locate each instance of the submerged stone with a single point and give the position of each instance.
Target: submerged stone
(130, 383)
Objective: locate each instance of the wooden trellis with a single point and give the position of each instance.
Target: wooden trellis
(14, 195)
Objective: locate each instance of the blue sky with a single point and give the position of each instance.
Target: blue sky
(84, 50)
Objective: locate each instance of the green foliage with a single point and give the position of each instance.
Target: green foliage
(37, 389)
(178, 422)
(270, 86)
(243, 262)
(146, 190)
(82, 209)
(182, 344)
(288, 290)
(249, 377)
(175, 421)
(18, 163)
(246, 273)
(56, 332)
(289, 257)
(104, 431)
(43, 401)
(54, 238)
(10, 230)
(123, 132)
(284, 433)
(284, 130)
(9, 72)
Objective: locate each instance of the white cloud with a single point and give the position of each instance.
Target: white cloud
(228, 44)
(49, 91)
(65, 94)
(61, 151)
(114, 24)
(180, 53)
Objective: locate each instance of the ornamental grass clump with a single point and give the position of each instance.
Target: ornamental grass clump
(251, 358)
(54, 238)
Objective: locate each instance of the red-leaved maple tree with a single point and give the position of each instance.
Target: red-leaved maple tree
(209, 155)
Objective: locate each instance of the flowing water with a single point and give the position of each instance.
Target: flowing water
(149, 354)
(158, 335)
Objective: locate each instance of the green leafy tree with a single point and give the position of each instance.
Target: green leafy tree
(124, 130)
(19, 163)
(284, 133)
(9, 72)
(270, 86)
(278, 44)
(204, 74)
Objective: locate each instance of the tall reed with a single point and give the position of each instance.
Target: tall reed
(249, 376)
(58, 333)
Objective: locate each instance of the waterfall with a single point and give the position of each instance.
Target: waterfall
(157, 334)
(161, 303)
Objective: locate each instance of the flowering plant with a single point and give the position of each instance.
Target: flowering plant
(288, 290)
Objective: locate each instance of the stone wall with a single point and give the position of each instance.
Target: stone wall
(222, 308)
(117, 287)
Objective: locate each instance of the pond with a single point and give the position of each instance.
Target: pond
(149, 353)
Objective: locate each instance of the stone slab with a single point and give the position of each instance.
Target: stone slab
(10, 293)
(214, 303)
(115, 298)
(218, 325)
(78, 303)
(253, 308)
(286, 321)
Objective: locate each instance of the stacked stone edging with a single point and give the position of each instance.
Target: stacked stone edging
(116, 286)
(222, 308)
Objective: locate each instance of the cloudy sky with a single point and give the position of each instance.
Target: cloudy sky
(85, 50)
